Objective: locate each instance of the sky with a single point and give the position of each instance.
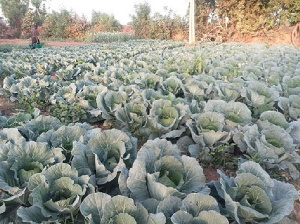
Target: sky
(121, 9)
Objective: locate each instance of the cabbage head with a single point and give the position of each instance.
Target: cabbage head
(101, 208)
(160, 171)
(56, 194)
(253, 197)
(104, 155)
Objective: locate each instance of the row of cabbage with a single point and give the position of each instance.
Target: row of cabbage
(53, 173)
(200, 98)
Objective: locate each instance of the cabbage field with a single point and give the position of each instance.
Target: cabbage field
(119, 133)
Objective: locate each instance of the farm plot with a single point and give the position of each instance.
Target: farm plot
(163, 108)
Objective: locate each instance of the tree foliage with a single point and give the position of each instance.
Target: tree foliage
(142, 19)
(104, 22)
(64, 25)
(168, 25)
(248, 16)
(14, 11)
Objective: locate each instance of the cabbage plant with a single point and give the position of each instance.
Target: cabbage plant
(133, 115)
(270, 145)
(166, 119)
(227, 91)
(105, 154)
(172, 85)
(199, 90)
(291, 85)
(253, 197)
(235, 113)
(108, 102)
(208, 131)
(290, 106)
(56, 194)
(19, 161)
(194, 208)
(64, 137)
(101, 208)
(259, 96)
(160, 171)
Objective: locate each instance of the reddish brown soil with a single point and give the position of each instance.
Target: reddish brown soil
(210, 173)
(7, 107)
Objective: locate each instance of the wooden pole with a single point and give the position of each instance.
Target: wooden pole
(192, 36)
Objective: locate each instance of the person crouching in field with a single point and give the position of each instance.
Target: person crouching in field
(34, 36)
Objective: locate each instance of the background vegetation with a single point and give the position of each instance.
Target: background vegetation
(221, 18)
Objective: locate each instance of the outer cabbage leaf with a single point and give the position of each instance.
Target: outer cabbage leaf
(274, 117)
(252, 196)
(34, 128)
(294, 131)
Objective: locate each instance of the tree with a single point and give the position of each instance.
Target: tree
(104, 22)
(250, 16)
(39, 11)
(141, 20)
(14, 11)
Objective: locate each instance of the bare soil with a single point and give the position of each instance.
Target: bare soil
(7, 107)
